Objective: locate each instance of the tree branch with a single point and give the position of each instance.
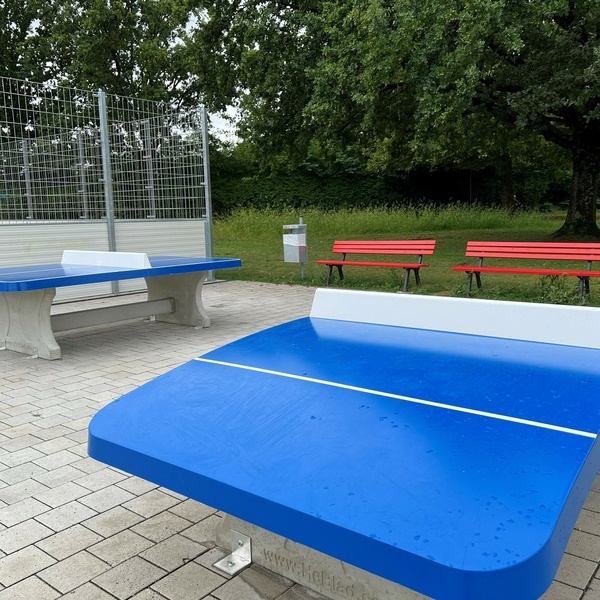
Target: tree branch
(565, 21)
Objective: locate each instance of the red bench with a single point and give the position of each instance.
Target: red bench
(570, 253)
(416, 248)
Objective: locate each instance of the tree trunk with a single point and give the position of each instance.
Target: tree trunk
(507, 190)
(581, 213)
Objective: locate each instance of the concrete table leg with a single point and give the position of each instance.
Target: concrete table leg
(25, 324)
(186, 289)
(3, 319)
(324, 574)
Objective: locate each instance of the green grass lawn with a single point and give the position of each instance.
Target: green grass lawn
(256, 237)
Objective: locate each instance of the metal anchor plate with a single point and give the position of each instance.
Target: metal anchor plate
(240, 557)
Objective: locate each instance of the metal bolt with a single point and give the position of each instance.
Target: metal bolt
(240, 543)
(230, 563)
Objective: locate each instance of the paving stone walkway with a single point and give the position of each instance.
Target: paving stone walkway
(71, 527)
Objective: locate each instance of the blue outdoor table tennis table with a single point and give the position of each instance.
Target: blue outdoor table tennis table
(26, 293)
(444, 444)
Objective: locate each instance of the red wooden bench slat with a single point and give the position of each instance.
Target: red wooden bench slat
(534, 252)
(383, 248)
(540, 251)
(534, 255)
(527, 271)
(536, 244)
(556, 250)
(362, 263)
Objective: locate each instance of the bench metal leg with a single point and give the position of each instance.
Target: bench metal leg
(584, 287)
(417, 276)
(186, 290)
(329, 273)
(25, 323)
(469, 283)
(407, 278)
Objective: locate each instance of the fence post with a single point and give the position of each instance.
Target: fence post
(27, 175)
(149, 168)
(84, 193)
(107, 178)
(207, 191)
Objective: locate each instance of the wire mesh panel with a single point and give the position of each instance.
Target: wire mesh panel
(156, 160)
(48, 153)
(57, 145)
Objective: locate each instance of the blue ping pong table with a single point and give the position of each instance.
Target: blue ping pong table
(444, 444)
(174, 286)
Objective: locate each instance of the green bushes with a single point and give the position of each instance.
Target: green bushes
(304, 189)
(301, 191)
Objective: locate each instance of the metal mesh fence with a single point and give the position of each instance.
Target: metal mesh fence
(68, 154)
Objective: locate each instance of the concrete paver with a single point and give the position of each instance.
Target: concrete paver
(71, 527)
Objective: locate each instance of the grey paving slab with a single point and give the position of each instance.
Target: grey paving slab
(120, 547)
(174, 552)
(66, 515)
(106, 498)
(30, 588)
(88, 591)
(151, 503)
(192, 581)
(21, 511)
(59, 495)
(58, 477)
(71, 527)
(254, 583)
(161, 526)
(136, 486)
(112, 521)
(24, 534)
(24, 489)
(129, 577)
(21, 473)
(69, 541)
(22, 564)
(73, 572)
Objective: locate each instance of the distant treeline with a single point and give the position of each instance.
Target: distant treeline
(533, 190)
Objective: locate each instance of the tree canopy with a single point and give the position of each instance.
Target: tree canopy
(126, 47)
(398, 83)
(388, 86)
(20, 22)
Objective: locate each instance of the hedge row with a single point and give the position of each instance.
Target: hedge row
(302, 190)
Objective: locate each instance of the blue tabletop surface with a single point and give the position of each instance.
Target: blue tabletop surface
(38, 277)
(452, 464)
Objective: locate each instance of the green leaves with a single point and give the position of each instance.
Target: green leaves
(127, 47)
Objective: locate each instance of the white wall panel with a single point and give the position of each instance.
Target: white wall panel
(35, 243)
(31, 243)
(157, 237)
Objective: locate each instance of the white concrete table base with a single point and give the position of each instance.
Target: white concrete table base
(186, 290)
(27, 326)
(319, 572)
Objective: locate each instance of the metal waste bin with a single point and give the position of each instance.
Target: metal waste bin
(294, 244)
